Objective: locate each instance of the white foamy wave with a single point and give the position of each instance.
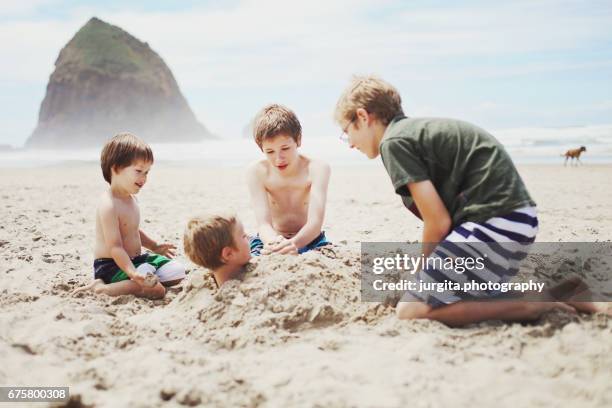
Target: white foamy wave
(525, 145)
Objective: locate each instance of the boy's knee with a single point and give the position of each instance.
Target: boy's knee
(156, 292)
(411, 310)
(160, 291)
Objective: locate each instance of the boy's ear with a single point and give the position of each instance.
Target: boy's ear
(299, 140)
(362, 115)
(226, 254)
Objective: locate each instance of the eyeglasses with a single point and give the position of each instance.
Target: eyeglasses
(344, 136)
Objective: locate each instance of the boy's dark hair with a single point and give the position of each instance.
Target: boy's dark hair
(121, 151)
(274, 120)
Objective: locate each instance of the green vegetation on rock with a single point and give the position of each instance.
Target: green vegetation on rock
(108, 49)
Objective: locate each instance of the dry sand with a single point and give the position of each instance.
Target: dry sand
(294, 332)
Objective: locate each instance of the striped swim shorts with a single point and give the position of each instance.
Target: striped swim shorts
(500, 242)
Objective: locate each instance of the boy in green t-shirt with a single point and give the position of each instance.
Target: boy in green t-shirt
(462, 183)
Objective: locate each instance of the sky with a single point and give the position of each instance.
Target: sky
(500, 65)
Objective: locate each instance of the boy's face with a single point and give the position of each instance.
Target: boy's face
(281, 151)
(361, 134)
(241, 254)
(131, 178)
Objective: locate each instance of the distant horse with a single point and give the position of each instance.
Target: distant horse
(574, 154)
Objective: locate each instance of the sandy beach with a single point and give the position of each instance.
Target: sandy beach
(294, 332)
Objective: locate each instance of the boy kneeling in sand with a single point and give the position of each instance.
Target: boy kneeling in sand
(462, 183)
(288, 190)
(120, 268)
(219, 243)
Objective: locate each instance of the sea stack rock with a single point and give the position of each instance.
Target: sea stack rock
(106, 81)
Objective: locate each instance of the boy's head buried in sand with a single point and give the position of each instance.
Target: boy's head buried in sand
(278, 133)
(126, 161)
(219, 243)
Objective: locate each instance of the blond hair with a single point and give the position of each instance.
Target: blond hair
(274, 120)
(206, 236)
(121, 151)
(371, 93)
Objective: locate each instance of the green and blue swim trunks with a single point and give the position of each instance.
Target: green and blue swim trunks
(107, 270)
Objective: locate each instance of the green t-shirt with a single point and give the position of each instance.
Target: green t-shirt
(470, 169)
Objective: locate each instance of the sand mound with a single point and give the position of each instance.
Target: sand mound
(278, 297)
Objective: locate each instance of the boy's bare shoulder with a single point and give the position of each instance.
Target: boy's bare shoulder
(257, 170)
(106, 204)
(105, 200)
(318, 167)
(258, 165)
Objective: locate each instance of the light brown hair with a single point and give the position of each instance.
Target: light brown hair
(371, 93)
(121, 151)
(274, 120)
(206, 236)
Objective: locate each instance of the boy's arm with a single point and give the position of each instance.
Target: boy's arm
(146, 241)
(259, 201)
(165, 249)
(436, 219)
(112, 239)
(320, 173)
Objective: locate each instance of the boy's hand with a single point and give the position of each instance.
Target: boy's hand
(166, 250)
(270, 244)
(281, 245)
(139, 279)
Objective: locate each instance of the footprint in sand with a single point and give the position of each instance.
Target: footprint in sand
(53, 258)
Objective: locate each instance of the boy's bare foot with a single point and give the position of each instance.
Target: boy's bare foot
(94, 286)
(541, 307)
(462, 313)
(576, 293)
(568, 288)
(592, 307)
(603, 307)
(126, 287)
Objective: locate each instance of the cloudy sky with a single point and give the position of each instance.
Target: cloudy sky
(498, 64)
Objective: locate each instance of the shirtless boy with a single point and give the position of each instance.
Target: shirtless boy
(288, 190)
(120, 268)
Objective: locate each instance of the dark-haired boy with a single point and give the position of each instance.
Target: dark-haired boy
(120, 268)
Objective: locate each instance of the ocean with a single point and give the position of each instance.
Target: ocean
(525, 145)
